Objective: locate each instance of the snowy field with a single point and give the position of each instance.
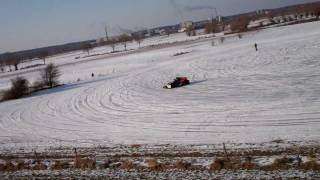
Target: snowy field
(103, 51)
(237, 95)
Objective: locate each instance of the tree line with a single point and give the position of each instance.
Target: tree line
(13, 60)
(240, 23)
(122, 39)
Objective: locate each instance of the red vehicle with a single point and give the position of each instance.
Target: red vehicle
(177, 82)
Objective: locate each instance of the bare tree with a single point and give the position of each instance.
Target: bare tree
(124, 39)
(12, 59)
(16, 63)
(190, 31)
(50, 75)
(87, 47)
(211, 28)
(43, 56)
(138, 38)
(2, 65)
(240, 24)
(113, 43)
(15, 60)
(8, 63)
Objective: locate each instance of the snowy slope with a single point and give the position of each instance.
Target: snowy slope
(236, 95)
(81, 56)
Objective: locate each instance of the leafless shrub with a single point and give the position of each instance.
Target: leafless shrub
(180, 164)
(225, 163)
(127, 164)
(153, 164)
(83, 163)
(219, 164)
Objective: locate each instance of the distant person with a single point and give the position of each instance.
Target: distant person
(92, 75)
(256, 46)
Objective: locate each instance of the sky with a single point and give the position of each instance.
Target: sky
(28, 24)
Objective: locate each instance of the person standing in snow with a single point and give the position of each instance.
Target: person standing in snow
(256, 46)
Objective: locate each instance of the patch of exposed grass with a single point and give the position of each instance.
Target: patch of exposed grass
(279, 163)
(183, 165)
(57, 165)
(154, 165)
(310, 165)
(224, 163)
(127, 164)
(8, 166)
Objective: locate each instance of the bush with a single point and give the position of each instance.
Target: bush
(18, 89)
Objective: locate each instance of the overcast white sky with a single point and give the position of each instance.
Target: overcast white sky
(28, 24)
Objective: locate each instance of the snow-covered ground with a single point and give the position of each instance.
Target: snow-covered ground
(82, 56)
(236, 95)
(170, 174)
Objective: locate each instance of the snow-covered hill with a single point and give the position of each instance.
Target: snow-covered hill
(236, 95)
